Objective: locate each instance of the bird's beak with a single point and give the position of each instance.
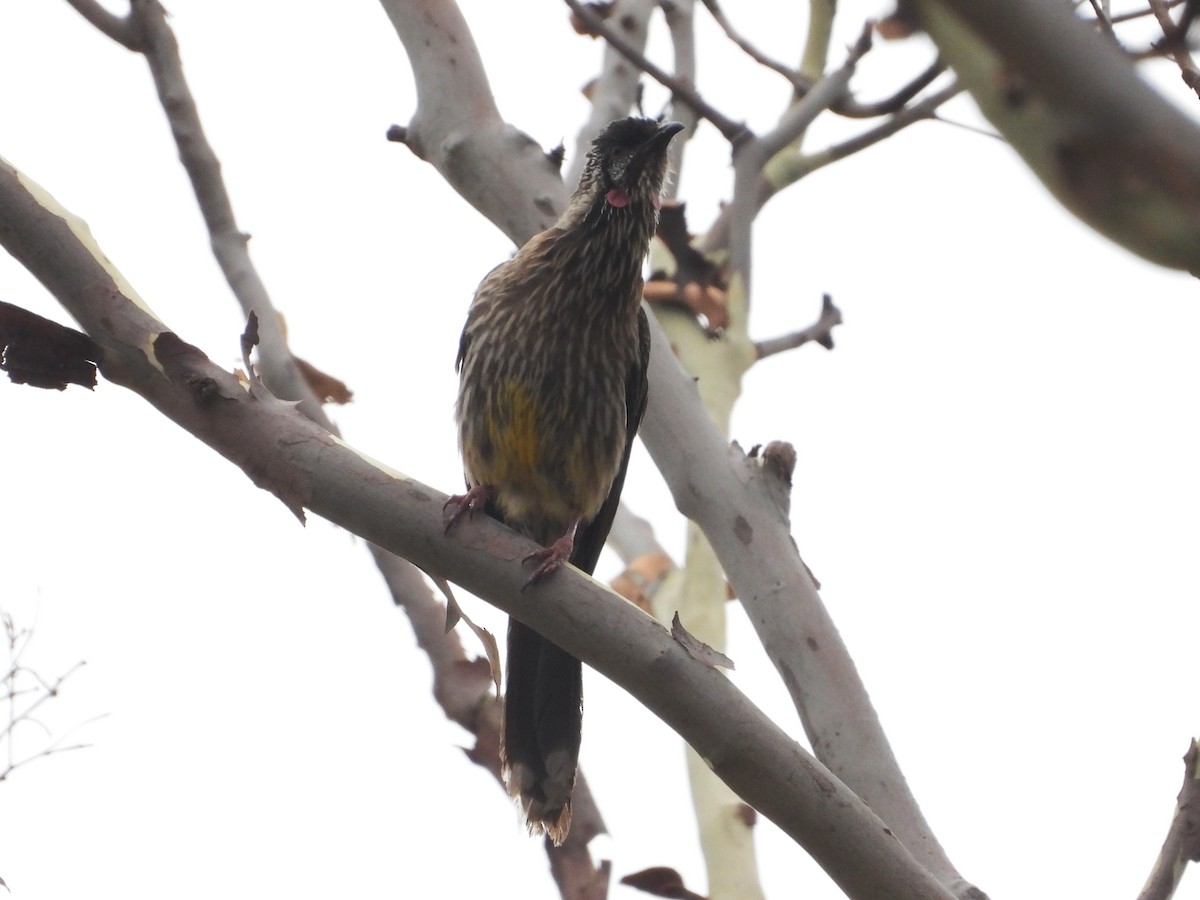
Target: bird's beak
(655, 145)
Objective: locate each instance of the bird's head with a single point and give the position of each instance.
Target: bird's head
(627, 163)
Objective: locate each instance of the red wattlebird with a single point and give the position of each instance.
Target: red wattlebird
(552, 387)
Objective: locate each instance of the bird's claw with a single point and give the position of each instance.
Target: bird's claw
(551, 558)
(475, 498)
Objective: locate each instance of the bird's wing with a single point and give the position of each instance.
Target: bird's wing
(590, 540)
(481, 301)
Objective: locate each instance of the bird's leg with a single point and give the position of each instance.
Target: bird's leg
(475, 498)
(555, 555)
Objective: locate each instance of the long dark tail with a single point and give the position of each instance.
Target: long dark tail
(543, 715)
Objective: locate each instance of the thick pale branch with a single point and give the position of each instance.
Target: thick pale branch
(306, 466)
(501, 171)
(1182, 844)
(724, 492)
(1110, 149)
(461, 686)
(681, 22)
(154, 39)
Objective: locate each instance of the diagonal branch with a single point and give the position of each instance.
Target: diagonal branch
(801, 84)
(120, 28)
(303, 464)
(461, 686)
(1182, 844)
(1112, 151)
(786, 170)
(734, 132)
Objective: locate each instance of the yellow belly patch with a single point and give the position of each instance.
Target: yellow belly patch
(515, 433)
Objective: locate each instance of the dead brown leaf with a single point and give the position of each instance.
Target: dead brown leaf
(327, 388)
(697, 649)
(661, 881)
(41, 353)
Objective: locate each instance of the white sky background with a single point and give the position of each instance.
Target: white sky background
(997, 484)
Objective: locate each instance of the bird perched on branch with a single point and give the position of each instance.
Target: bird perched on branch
(552, 387)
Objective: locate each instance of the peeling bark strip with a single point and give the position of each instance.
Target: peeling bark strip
(41, 353)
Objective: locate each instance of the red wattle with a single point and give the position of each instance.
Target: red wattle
(617, 197)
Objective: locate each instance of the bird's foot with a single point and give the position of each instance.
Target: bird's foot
(474, 499)
(552, 557)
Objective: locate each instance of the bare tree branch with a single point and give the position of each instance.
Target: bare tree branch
(722, 490)
(1182, 844)
(457, 128)
(455, 677)
(24, 702)
(820, 331)
(854, 109)
(785, 170)
(307, 467)
(121, 29)
(801, 84)
(615, 89)
(681, 23)
(1111, 150)
(156, 41)
(1175, 45)
(734, 132)
(801, 114)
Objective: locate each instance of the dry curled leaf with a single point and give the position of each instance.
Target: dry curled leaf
(327, 388)
(642, 577)
(697, 649)
(249, 339)
(454, 615)
(661, 881)
(41, 353)
(900, 24)
(697, 281)
(602, 10)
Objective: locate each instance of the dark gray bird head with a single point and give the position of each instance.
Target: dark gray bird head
(625, 169)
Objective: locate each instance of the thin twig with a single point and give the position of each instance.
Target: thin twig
(848, 106)
(853, 109)
(1142, 13)
(925, 109)
(798, 81)
(821, 331)
(734, 132)
(49, 751)
(18, 641)
(1103, 19)
(824, 94)
(120, 28)
(1175, 46)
